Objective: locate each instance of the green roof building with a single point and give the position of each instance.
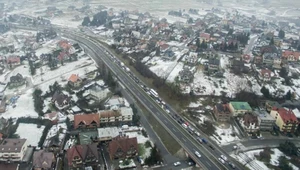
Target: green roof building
(239, 108)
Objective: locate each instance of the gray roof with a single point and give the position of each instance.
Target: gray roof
(108, 132)
(263, 115)
(12, 145)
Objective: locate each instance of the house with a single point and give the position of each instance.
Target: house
(60, 100)
(13, 61)
(186, 75)
(116, 117)
(246, 58)
(75, 81)
(213, 65)
(13, 149)
(81, 156)
(96, 92)
(204, 37)
(250, 123)
(222, 112)
(265, 120)
(239, 108)
(108, 133)
(86, 121)
(169, 55)
(43, 160)
(290, 55)
(265, 75)
(270, 104)
(16, 80)
(286, 120)
(53, 117)
(123, 147)
(9, 166)
(272, 60)
(115, 102)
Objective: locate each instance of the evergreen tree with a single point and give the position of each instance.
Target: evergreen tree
(288, 95)
(265, 92)
(281, 34)
(31, 67)
(198, 42)
(86, 21)
(272, 41)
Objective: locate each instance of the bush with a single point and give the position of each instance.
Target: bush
(154, 158)
(288, 148)
(148, 144)
(38, 101)
(144, 133)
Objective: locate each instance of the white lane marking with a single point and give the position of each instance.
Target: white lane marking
(174, 130)
(151, 106)
(165, 121)
(183, 139)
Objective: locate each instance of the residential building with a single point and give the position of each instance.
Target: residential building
(43, 160)
(96, 93)
(204, 37)
(222, 112)
(13, 149)
(16, 80)
(272, 60)
(81, 156)
(9, 166)
(86, 121)
(291, 55)
(116, 117)
(250, 123)
(108, 133)
(13, 61)
(286, 120)
(265, 75)
(123, 147)
(115, 102)
(213, 65)
(270, 104)
(75, 81)
(239, 108)
(265, 120)
(61, 100)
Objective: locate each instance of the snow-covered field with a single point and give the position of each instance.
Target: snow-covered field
(30, 132)
(225, 134)
(24, 107)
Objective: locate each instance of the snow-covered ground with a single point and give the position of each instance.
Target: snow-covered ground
(24, 107)
(225, 134)
(30, 132)
(256, 164)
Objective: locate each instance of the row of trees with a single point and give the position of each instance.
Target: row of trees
(38, 101)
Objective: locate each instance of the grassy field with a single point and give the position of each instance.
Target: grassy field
(169, 142)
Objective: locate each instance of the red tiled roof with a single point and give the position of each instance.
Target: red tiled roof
(87, 119)
(287, 115)
(288, 53)
(164, 46)
(265, 72)
(13, 59)
(122, 142)
(74, 78)
(205, 35)
(75, 151)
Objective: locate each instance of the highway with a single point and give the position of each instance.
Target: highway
(207, 160)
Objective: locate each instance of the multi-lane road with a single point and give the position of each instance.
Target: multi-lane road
(188, 142)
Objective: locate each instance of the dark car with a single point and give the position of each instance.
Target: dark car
(231, 165)
(211, 147)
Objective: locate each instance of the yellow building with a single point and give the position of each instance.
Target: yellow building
(286, 120)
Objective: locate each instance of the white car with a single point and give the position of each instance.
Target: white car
(197, 154)
(221, 160)
(177, 163)
(224, 157)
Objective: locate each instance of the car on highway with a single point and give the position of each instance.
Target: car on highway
(177, 163)
(224, 157)
(221, 160)
(167, 110)
(184, 125)
(197, 154)
(211, 147)
(204, 140)
(231, 165)
(199, 140)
